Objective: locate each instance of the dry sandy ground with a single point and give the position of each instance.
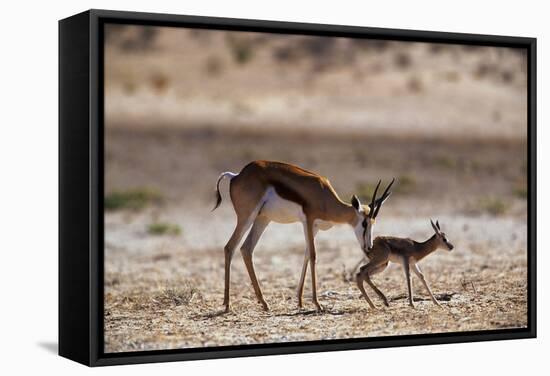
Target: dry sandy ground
(166, 291)
(169, 296)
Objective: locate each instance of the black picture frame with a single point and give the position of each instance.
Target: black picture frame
(81, 186)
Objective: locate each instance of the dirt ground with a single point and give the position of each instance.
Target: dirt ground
(182, 106)
(166, 291)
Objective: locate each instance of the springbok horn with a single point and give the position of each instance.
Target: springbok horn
(372, 204)
(384, 196)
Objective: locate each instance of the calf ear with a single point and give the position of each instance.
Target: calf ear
(355, 203)
(434, 226)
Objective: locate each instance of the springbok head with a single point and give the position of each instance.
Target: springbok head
(367, 215)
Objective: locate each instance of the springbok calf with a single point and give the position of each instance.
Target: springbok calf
(408, 253)
(266, 191)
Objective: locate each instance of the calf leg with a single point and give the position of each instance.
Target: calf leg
(376, 270)
(360, 278)
(373, 267)
(420, 275)
(354, 269)
(406, 267)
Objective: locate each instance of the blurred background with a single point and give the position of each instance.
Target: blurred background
(183, 105)
(238, 80)
(380, 108)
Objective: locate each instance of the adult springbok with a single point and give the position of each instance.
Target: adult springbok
(406, 252)
(266, 191)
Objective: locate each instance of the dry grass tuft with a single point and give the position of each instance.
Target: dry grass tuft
(415, 84)
(402, 60)
(176, 296)
(213, 66)
(160, 82)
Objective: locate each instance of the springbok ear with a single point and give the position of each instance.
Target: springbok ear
(355, 203)
(434, 226)
(437, 224)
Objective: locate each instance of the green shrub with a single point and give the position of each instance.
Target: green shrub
(445, 162)
(163, 228)
(492, 205)
(135, 199)
(521, 191)
(405, 184)
(364, 191)
(242, 50)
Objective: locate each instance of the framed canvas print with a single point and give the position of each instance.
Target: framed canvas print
(235, 187)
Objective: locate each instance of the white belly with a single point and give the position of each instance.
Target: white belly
(279, 210)
(322, 225)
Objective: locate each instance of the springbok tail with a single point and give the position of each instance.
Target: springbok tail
(223, 175)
